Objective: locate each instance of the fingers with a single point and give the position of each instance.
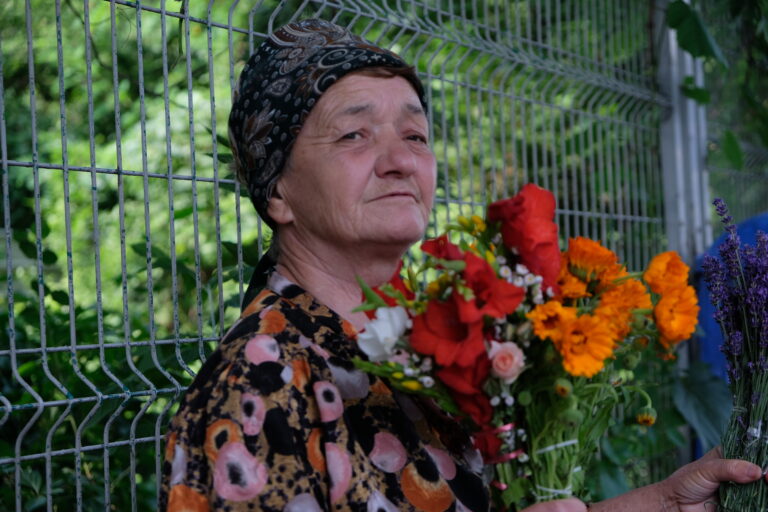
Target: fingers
(567, 505)
(730, 470)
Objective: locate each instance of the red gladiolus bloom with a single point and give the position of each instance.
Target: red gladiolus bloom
(439, 332)
(493, 296)
(528, 227)
(442, 248)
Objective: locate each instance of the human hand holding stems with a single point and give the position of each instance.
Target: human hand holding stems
(689, 489)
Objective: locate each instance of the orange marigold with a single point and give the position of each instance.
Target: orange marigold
(618, 303)
(586, 343)
(630, 294)
(676, 315)
(550, 319)
(571, 287)
(609, 276)
(665, 271)
(616, 318)
(588, 258)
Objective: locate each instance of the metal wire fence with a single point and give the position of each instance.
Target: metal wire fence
(126, 243)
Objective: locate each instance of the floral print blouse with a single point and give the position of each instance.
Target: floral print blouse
(279, 419)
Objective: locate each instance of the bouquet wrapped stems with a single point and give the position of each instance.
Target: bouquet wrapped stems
(747, 438)
(738, 284)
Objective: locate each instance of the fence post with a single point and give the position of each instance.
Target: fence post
(683, 148)
(683, 145)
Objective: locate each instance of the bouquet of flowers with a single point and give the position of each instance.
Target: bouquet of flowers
(531, 346)
(738, 284)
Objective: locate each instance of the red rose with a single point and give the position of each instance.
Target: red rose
(469, 379)
(493, 296)
(488, 443)
(465, 383)
(527, 226)
(439, 332)
(476, 406)
(442, 248)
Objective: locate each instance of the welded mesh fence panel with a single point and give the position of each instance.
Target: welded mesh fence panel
(745, 189)
(127, 240)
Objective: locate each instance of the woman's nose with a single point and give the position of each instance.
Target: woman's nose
(397, 157)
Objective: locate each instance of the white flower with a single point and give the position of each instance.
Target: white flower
(530, 279)
(427, 381)
(380, 335)
(521, 269)
(518, 281)
(505, 272)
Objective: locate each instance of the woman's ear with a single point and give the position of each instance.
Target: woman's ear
(278, 208)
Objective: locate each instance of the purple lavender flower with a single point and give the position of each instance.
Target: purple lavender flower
(735, 344)
(717, 283)
(729, 249)
(722, 211)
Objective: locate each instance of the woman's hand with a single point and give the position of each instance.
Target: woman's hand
(567, 505)
(696, 483)
(687, 490)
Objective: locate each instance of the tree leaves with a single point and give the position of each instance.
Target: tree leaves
(732, 150)
(691, 90)
(692, 34)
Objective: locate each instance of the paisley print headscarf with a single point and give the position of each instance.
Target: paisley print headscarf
(278, 87)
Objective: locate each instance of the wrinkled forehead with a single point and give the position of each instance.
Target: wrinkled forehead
(359, 95)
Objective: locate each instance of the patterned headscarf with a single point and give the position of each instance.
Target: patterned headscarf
(278, 87)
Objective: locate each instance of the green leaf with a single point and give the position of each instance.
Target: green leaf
(60, 297)
(49, 257)
(250, 252)
(370, 295)
(732, 150)
(182, 213)
(705, 402)
(692, 34)
(690, 90)
(221, 139)
(27, 248)
(224, 158)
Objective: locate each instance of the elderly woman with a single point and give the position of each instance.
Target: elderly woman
(330, 135)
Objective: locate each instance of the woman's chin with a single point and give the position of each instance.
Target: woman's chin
(400, 239)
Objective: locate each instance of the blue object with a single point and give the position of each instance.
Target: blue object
(710, 338)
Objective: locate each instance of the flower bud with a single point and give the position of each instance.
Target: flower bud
(525, 398)
(563, 387)
(646, 416)
(631, 361)
(464, 222)
(572, 417)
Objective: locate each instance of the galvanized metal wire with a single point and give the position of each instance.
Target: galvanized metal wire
(126, 243)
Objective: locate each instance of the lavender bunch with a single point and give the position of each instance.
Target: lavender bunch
(738, 285)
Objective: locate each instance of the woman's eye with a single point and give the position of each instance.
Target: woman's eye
(418, 138)
(351, 136)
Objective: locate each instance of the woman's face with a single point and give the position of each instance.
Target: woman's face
(361, 170)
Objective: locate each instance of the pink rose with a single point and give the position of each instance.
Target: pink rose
(507, 361)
